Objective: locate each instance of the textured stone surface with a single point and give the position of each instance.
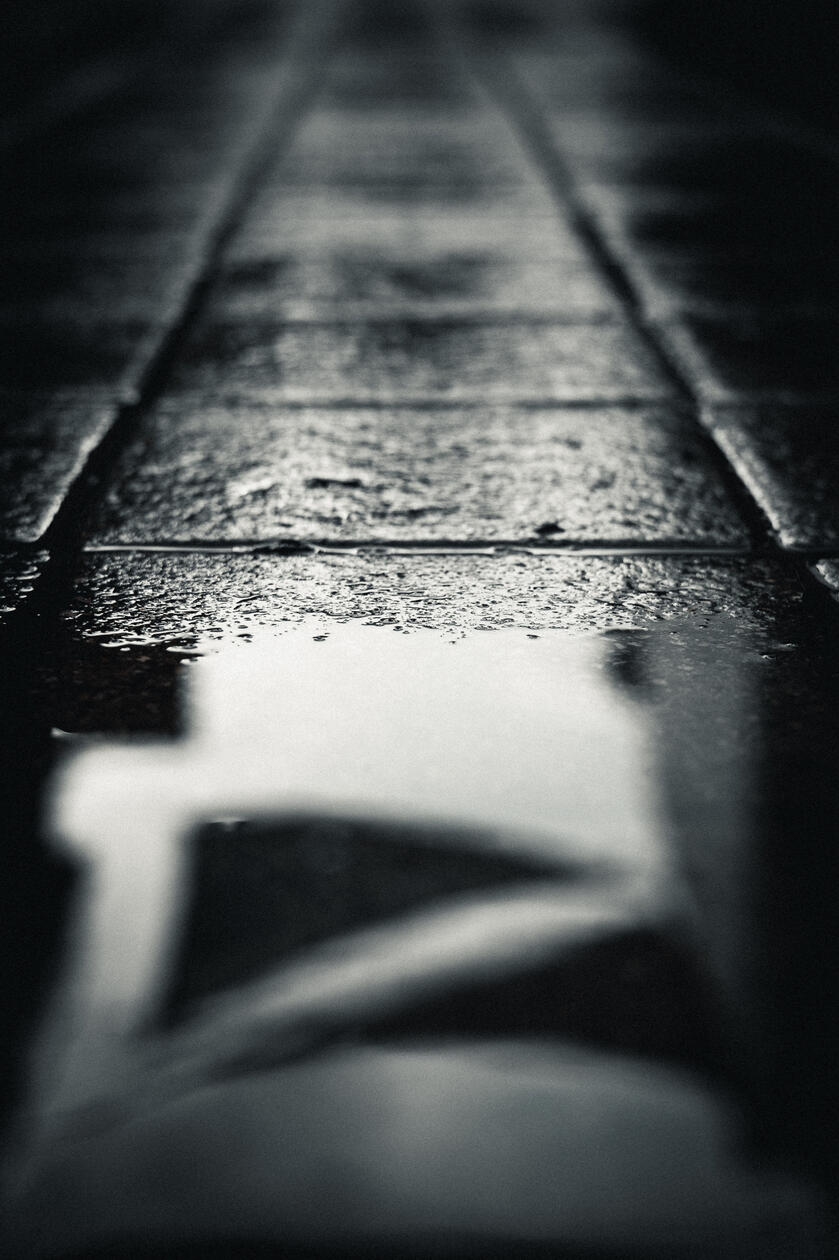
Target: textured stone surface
(403, 146)
(452, 286)
(411, 80)
(46, 439)
(200, 472)
(150, 599)
(19, 573)
(753, 361)
(339, 221)
(789, 459)
(413, 361)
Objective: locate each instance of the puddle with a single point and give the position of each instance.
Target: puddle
(417, 935)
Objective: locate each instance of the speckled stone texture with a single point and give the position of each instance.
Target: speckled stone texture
(201, 472)
(417, 146)
(360, 286)
(151, 599)
(19, 574)
(395, 225)
(413, 361)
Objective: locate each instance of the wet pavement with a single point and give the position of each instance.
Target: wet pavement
(420, 681)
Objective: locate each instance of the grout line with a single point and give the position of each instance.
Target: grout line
(447, 546)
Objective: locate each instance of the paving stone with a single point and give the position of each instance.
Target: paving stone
(197, 472)
(300, 287)
(413, 80)
(95, 354)
(781, 360)
(45, 442)
(19, 573)
(336, 222)
(412, 361)
(789, 459)
(403, 147)
(147, 599)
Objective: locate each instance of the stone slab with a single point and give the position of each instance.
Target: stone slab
(789, 459)
(45, 442)
(200, 472)
(158, 599)
(300, 287)
(418, 362)
(329, 222)
(403, 146)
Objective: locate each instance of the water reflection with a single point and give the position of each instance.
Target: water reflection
(428, 936)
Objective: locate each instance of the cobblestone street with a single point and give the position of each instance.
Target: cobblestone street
(419, 686)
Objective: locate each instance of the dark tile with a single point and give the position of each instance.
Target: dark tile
(94, 354)
(201, 472)
(797, 224)
(789, 459)
(759, 166)
(418, 362)
(44, 442)
(759, 287)
(751, 360)
(63, 287)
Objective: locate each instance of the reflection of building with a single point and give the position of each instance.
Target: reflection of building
(404, 837)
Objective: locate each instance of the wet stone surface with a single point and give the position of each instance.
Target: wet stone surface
(198, 472)
(358, 286)
(19, 572)
(404, 147)
(789, 459)
(419, 900)
(46, 439)
(410, 361)
(396, 227)
(177, 599)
